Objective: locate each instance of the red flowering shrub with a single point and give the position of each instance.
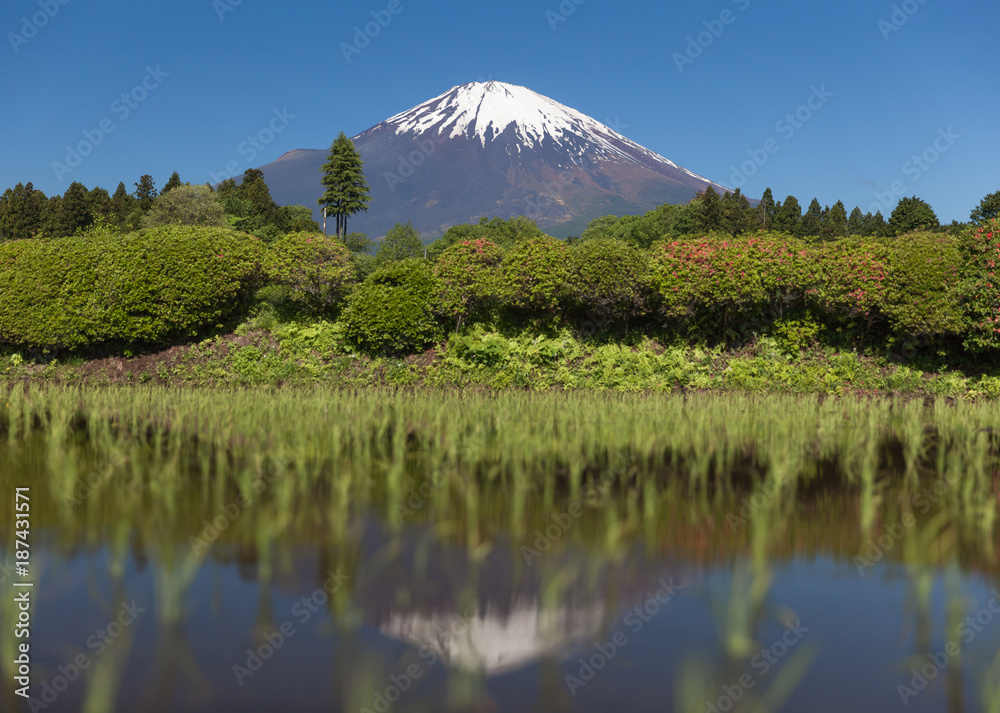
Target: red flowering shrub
(979, 290)
(848, 279)
(725, 278)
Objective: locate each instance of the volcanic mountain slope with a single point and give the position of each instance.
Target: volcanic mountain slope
(492, 149)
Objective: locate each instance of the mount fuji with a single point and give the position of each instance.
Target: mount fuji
(493, 149)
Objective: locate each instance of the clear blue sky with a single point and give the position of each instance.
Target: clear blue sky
(221, 69)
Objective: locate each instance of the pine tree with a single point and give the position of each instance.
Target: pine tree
(122, 207)
(988, 208)
(738, 213)
(22, 210)
(74, 213)
(347, 191)
(173, 182)
(789, 218)
(766, 211)
(145, 192)
(835, 222)
(254, 189)
(710, 216)
(812, 224)
(856, 223)
(911, 214)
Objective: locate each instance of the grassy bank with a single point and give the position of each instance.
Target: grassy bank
(318, 353)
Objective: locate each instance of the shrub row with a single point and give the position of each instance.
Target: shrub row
(168, 282)
(140, 288)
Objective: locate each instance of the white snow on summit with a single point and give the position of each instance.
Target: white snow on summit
(486, 109)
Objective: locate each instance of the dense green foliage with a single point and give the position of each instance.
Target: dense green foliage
(315, 268)
(467, 274)
(145, 287)
(392, 311)
(980, 290)
(186, 205)
(401, 242)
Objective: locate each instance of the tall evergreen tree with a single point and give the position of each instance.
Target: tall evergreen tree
(145, 192)
(738, 212)
(856, 222)
(173, 182)
(835, 222)
(254, 189)
(74, 213)
(347, 191)
(875, 226)
(122, 207)
(711, 216)
(100, 203)
(766, 211)
(911, 214)
(22, 211)
(789, 218)
(812, 224)
(988, 208)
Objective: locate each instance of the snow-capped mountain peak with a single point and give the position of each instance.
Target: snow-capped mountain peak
(494, 149)
(489, 110)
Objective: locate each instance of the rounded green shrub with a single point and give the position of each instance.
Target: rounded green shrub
(921, 296)
(316, 268)
(467, 276)
(391, 312)
(137, 288)
(534, 276)
(610, 279)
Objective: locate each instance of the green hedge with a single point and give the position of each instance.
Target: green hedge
(611, 280)
(138, 288)
(979, 289)
(316, 268)
(392, 312)
(467, 278)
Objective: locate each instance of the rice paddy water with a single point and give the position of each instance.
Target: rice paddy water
(324, 550)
